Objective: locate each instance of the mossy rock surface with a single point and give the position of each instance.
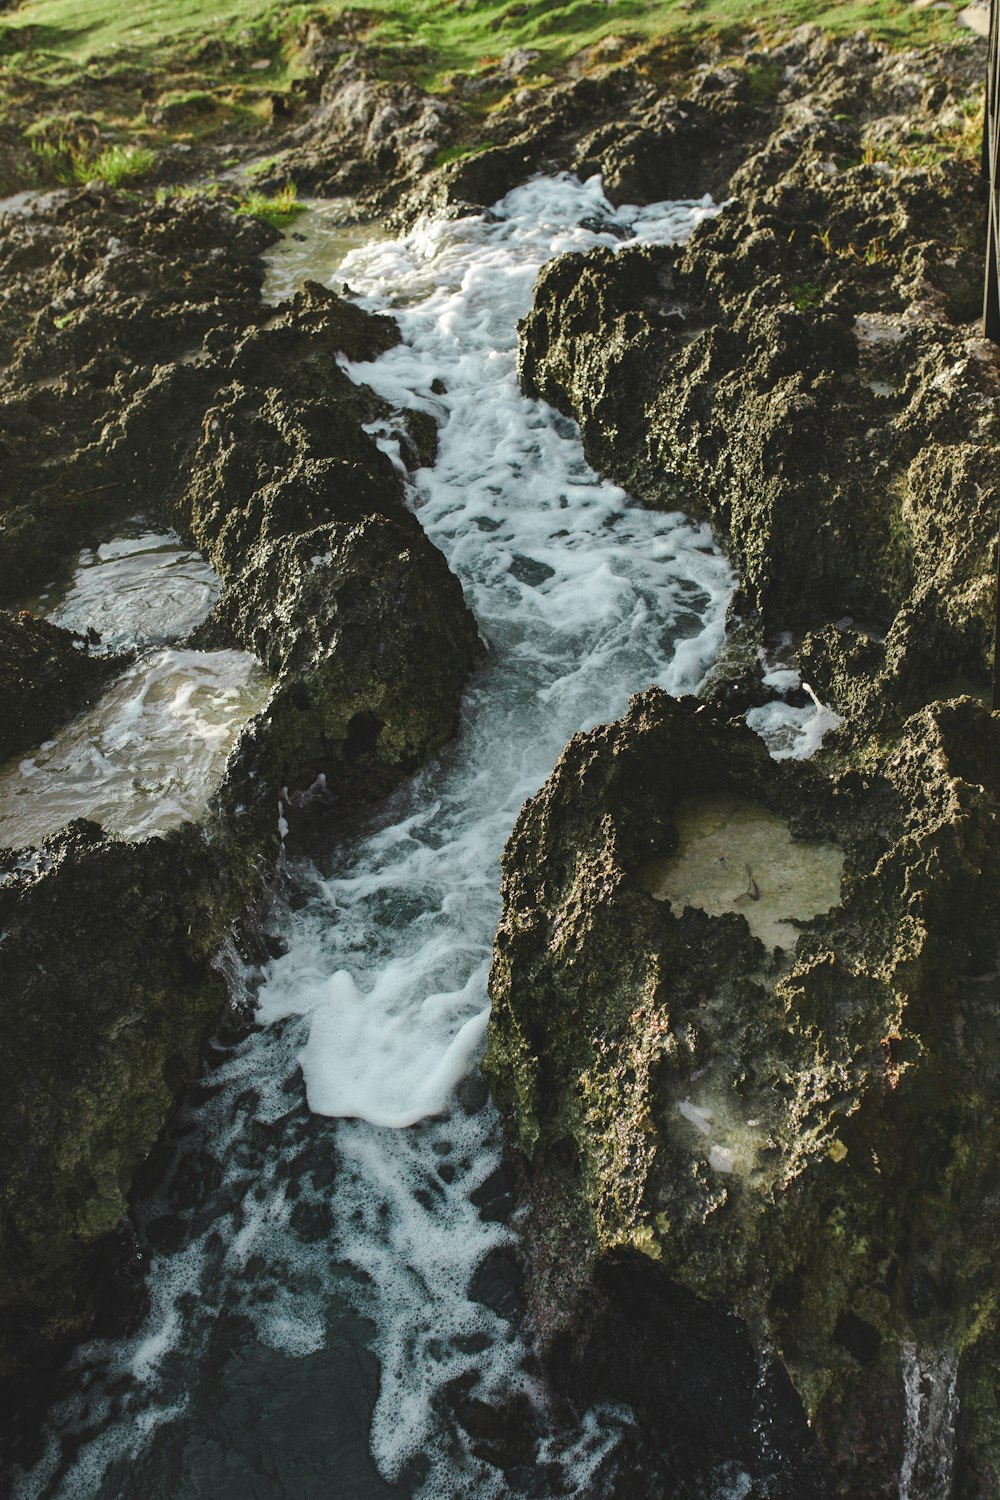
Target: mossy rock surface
(807, 1138)
(107, 995)
(148, 376)
(803, 373)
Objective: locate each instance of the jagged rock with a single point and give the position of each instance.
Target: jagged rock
(365, 132)
(108, 993)
(173, 390)
(46, 674)
(800, 374)
(805, 1136)
(105, 303)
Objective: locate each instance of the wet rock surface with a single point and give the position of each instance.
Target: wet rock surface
(802, 1137)
(799, 1139)
(108, 996)
(46, 674)
(147, 376)
(804, 373)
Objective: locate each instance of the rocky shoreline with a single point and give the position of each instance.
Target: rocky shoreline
(804, 372)
(807, 374)
(172, 390)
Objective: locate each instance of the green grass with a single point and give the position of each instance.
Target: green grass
(116, 164)
(261, 168)
(68, 161)
(183, 70)
(458, 153)
(806, 296)
(280, 209)
(455, 35)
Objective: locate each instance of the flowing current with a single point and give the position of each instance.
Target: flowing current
(334, 1303)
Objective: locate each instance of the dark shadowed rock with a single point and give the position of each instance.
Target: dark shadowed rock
(46, 675)
(147, 375)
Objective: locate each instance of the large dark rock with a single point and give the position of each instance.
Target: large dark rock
(107, 994)
(802, 374)
(854, 1079)
(107, 305)
(46, 675)
(148, 376)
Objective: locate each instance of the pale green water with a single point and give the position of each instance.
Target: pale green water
(735, 855)
(146, 757)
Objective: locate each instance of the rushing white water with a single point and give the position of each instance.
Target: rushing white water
(293, 1225)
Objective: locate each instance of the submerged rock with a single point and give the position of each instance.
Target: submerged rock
(802, 1135)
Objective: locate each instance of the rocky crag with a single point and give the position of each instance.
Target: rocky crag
(149, 377)
(796, 1133)
(806, 374)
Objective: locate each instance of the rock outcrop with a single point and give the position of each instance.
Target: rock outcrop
(803, 1135)
(795, 1134)
(802, 372)
(149, 377)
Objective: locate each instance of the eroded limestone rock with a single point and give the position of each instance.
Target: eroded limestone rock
(806, 1137)
(148, 376)
(803, 374)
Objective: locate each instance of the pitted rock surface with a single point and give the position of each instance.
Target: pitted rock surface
(802, 1138)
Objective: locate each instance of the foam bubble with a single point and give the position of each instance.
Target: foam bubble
(793, 733)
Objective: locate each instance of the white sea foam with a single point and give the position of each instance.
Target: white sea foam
(793, 733)
(584, 598)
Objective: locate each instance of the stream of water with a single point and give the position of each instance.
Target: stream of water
(334, 1303)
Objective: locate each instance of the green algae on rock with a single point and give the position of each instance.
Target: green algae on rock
(813, 1145)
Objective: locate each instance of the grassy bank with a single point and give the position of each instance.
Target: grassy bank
(103, 72)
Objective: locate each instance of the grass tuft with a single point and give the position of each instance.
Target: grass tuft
(806, 296)
(66, 162)
(279, 209)
(115, 165)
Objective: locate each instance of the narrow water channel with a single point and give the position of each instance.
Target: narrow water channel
(334, 1301)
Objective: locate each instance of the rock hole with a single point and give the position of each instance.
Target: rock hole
(362, 733)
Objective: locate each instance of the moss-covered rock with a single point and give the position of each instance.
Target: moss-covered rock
(149, 376)
(800, 373)
(806, 1138)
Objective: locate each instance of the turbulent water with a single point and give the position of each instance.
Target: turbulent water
(335, 1304)
(141, 588)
